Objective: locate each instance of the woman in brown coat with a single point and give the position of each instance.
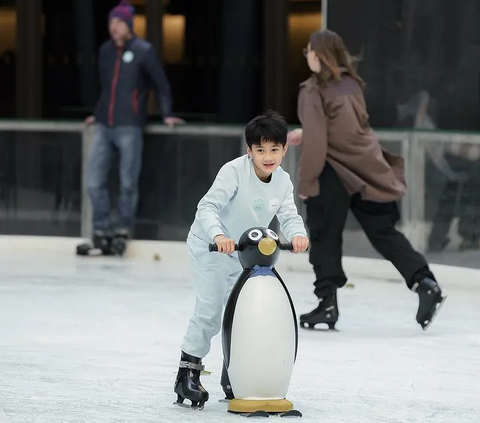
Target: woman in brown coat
(343, 167)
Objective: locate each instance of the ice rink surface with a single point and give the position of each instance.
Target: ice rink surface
(98, 340)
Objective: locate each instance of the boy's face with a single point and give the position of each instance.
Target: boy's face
(266, 157)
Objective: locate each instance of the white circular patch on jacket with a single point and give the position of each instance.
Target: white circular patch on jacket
(127, 56)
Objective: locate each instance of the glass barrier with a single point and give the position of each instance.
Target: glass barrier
(178, 169)
(41, 189)
(40, 183)
(451, 196)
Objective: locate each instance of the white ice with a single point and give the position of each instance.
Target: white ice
(97, 340)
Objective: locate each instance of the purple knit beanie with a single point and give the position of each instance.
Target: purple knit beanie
(123, 11)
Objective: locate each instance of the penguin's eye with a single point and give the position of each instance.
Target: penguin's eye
(255, 234)
(272, 234)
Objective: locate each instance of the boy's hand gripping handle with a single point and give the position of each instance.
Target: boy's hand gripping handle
(287, 247)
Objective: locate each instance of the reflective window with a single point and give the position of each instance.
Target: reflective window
(8, 32)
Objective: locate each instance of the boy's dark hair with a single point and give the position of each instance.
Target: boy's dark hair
(270, 126)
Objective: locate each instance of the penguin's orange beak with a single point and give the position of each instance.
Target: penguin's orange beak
(267, 246)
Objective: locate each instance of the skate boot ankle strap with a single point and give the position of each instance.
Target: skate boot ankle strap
(426, 285)
(191, 366)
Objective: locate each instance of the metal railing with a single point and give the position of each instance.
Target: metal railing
(413, 145)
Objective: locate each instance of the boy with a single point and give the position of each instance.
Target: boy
(248, 191)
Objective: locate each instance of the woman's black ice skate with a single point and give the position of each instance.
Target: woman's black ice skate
(326, 312)
(430, 300)
(188, 385)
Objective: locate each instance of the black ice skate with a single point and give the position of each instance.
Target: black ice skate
(119, 242)
(430, 300)
(188, 385)
(326, 312)
(101, 245)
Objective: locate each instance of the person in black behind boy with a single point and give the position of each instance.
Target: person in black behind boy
(128, 68)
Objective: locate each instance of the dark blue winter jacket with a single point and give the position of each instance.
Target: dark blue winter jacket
(126, 75)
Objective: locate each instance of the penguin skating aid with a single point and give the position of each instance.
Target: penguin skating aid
(260, 331)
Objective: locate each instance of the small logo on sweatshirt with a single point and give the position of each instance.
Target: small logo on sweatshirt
(274, 204)
(258, 204)
(127, 56)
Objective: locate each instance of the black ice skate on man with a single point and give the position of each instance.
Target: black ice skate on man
(103, 244)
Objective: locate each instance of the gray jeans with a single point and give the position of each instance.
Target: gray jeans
(129, 143)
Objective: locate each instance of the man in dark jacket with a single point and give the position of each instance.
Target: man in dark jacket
(128, 69)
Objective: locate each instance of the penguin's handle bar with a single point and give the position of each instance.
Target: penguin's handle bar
(288, 247)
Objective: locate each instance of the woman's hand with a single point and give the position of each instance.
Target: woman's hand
(299, 244)
(295, 137)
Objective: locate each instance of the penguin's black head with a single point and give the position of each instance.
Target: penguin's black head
(258, 247)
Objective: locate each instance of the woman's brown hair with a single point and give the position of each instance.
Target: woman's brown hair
(333, 55)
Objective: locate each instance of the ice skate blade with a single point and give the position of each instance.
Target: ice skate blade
(439, 305)
(94, 252)
(198, 407)
(118, 253)
(311, 326)
(89, 252)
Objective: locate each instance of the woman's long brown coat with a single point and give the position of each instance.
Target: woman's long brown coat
(336, 129)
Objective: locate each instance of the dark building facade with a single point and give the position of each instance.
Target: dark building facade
(226, 59)
(415, 49)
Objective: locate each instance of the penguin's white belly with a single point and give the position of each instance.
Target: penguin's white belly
(263, 338)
